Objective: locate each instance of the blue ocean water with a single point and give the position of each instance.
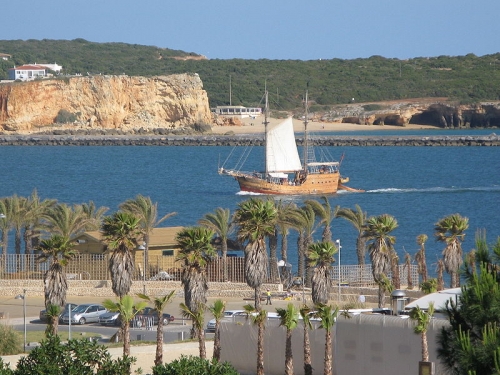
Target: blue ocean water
(417, 185)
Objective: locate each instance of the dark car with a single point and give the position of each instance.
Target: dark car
(149, 316)
(110, 319)
(43, 313)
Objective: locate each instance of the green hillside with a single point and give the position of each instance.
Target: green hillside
(467, 78)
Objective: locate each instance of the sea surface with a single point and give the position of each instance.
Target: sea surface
(417, 185)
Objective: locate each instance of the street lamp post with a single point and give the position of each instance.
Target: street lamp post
(339, 247)
(23, 297)
(143, 248)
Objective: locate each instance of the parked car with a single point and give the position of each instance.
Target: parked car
(229, 314)
(86, 313)
(110, 319)
(163, 276)
(43, 313)
(150, 316)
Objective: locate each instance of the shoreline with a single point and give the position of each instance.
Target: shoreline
(256, 126)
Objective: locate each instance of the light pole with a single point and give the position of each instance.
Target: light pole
(143, 248)
(23, 297)
(339, 247)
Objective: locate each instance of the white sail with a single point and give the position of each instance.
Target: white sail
(281, 150)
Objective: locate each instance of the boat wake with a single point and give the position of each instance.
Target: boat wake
(438, 189)
(247, 193)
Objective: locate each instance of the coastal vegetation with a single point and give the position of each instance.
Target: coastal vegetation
(465, 79)
(473, 321)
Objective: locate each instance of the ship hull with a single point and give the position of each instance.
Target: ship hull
(315, 184)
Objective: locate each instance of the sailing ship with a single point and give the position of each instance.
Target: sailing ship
(284, 173)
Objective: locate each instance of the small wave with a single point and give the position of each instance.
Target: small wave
(437, 189)
(247, 193)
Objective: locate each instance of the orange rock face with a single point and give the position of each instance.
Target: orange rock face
(117, 102)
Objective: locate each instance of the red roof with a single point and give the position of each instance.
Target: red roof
(29, 67)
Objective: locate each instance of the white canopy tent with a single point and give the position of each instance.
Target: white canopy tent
(439, 299)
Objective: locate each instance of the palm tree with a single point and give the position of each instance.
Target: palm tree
(17, 221)
(420, 257)
(450, 230)
(93, 215)
(147, 213)
(304, 221)
(68, 221)
(289, 318)
(377, 232)
(422, 319)
(358, 219)
(5, 224)
(256, 219)
(396, 280)
(217, 309)
(409, 281)
(59, 250)
(52, 312)
(320, 257)
(34, 211)
(128, 310)
(327, 314)
(121, 232)
(439, 271)
(258, 317)
(305, 312)
(326, 214)
(196, 252)
(284, 210)
(220, 222)
(197, 317)
(159, 303)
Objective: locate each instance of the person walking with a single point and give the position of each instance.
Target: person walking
(268, 298)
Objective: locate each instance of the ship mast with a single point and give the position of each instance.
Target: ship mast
(306, 142)
(266, 110)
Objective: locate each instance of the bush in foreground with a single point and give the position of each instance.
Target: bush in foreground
(78, 357)
(10, 341)
(194, 365)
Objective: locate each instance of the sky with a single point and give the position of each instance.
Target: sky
(267, 29)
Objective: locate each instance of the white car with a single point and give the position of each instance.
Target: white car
(229, 314)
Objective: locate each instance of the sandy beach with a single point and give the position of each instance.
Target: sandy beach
(255, 126)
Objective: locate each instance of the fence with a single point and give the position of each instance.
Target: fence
(95, 267)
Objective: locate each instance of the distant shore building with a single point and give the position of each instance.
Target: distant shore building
(4, 56)
(236, 111)
(27, 72)
(32, 71)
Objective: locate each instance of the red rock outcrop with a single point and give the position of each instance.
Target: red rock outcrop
(109, 102)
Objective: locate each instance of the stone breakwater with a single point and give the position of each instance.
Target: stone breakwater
(241, 140)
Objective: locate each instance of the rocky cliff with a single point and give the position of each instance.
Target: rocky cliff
(107, 102)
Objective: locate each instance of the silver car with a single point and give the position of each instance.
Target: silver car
(228, 314)
(86, 313)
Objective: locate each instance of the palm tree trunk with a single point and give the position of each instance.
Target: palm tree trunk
(361, 249)
(288, 353)
(201, 342)
(302, 261)
(273, 260)
(381, 296)
(224, 260)
(217, 348)
(126, 338)
(307, 352)
(260, 349)
(257, 298)
(159, 342)
(425, 348)
(328, 353)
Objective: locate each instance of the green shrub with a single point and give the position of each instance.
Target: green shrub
(372, 107)
(194, 365)
(10, 341)
(65, 117)
(78, 357)
(5, 368)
